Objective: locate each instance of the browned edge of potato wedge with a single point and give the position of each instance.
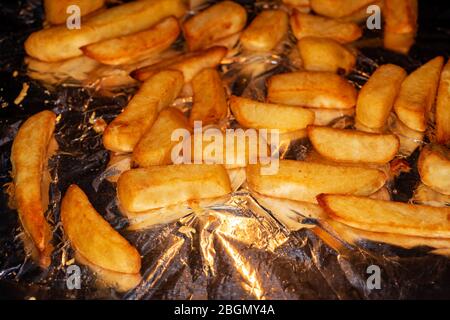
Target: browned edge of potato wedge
(30, 152)
(154, 187)
(158, 92)
(443, 107)
(387, 216)
(56, 10)
(344, 145)
(434, 168)
(303, 181)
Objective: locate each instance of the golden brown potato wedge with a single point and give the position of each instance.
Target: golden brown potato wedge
(434, 168)
(93, 238)
(387, 216)
(353, 146)
(60, 43)
(210, 102)
(400, 24)
(29, 156)
(56, 10)
(322, 54)
(300, 5)
(425, 195)
(218, 21)
(135, 46)
(155, 146)
(303, 181)
(265, 31)
(377, 96)
(312, 89)
(259, 115)
(338, 8)
(417, 95)
(409, 139)
(323, 117)
(158, 92)
(139, 190)
(443, 107)
(308, 25)
(190, 64)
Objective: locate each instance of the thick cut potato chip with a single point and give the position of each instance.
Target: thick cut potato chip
(155, 146)
(303, 181)
(339, 8)
(60, 43)
(312, 89)
(322, 54)
(92, 237)
(210, 102)
(259, 115)
(218, 21)
(417, 95)
(353, 146)
(29, 156)
(56, 10)
(265, 31)
(139, 190)
(158, 92)
(387, 216)
(434, 168)
(189, 64)
(443, 107)
(307, 25)
(135, 46)
(377, 96)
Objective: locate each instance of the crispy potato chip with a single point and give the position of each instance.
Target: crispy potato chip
(387, 216)
(218, 21)
(434, 168)
(303, 181)
(353, 146)
(417, 94)
(135, 46)
(158, 92)
(443, 107)
(377, 96)
(339, 8)
(29, 156)
(265, 31)
(56, 10)
(312, 89)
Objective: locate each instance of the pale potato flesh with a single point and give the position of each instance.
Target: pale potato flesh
(312, 89)
(155, 146)
(434, 168)
(265, 31)
(303, 181)
(387, 216)
(443, 107)
(377, 96)
(353, 146)
(29, 158)
(91, 236)
(417, 94)
(56, 10)
(158, 92)
(143, 189)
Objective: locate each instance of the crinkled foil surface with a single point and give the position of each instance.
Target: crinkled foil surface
(232, 250)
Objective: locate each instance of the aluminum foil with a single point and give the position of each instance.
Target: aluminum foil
(234, 249)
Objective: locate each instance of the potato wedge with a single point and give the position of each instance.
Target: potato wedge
(259, 115)
(307, 25)
(265, 31)
(338, 8)
(353, 146)
(92, 237)
(417, 94)
(434, 168)
(443, 107)
(303, 181)
(312, 89)
(218, 21)
(158, 92)
(300, 5)
(377, 96)
(322, 54)
(139, 190)
(155, 146)
(425, 195)
(56, 10)
(60, 43)
(135, 46)
(400, 24)
(210, 102)
(323, 117)
(190, 64)
(387, 216)
(29, 156)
